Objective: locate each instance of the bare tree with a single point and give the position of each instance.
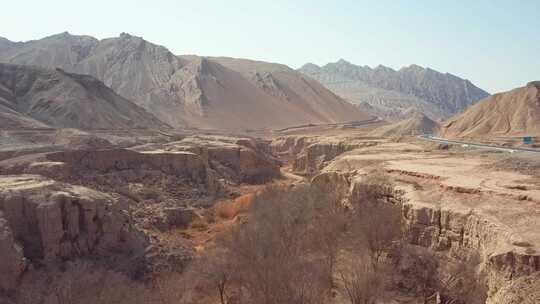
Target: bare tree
(359, 280)
(330, 225)
(418, 269)
(218, 271)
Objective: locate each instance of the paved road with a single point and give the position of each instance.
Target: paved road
(477, 145)
(353, 124)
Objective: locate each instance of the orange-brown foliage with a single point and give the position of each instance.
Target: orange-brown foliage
(230, 209)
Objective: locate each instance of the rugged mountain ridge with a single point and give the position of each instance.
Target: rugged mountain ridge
(512, 113)
(392, 92)
(187, 91)
(33, 97)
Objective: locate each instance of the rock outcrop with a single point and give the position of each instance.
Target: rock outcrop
(184, 164)
(209, 161)
(504, 257)
(236, 159)
(13, 262)
(310, 154)
(44, 221)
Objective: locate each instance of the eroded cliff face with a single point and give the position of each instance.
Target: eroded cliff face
(454, 209)
(505, 257)
(454, 233)
(236, 159)
(44, 221)
(310, 154)
(207, 161)
(116, 216)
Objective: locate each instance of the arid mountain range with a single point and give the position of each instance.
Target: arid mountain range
(394, 94)
(512, 113)
(189, 91)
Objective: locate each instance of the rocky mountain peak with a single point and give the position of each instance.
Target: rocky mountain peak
(343, 62)
(125, 35)
(310, 67)
(413, 67)
(383, 68)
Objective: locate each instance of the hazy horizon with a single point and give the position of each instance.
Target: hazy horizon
(490, 43)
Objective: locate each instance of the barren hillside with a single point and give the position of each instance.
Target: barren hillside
(296, 89)
(512, 113)
(33, 97)
(417, 124)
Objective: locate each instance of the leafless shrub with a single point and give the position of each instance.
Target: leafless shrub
(82, 282)
(453, 280)
(461, 283)
(418, 269)
(359, 280)
(217, 272)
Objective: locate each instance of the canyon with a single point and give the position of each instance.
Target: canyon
(140, 214)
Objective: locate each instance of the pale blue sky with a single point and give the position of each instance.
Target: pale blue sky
(495, 44)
